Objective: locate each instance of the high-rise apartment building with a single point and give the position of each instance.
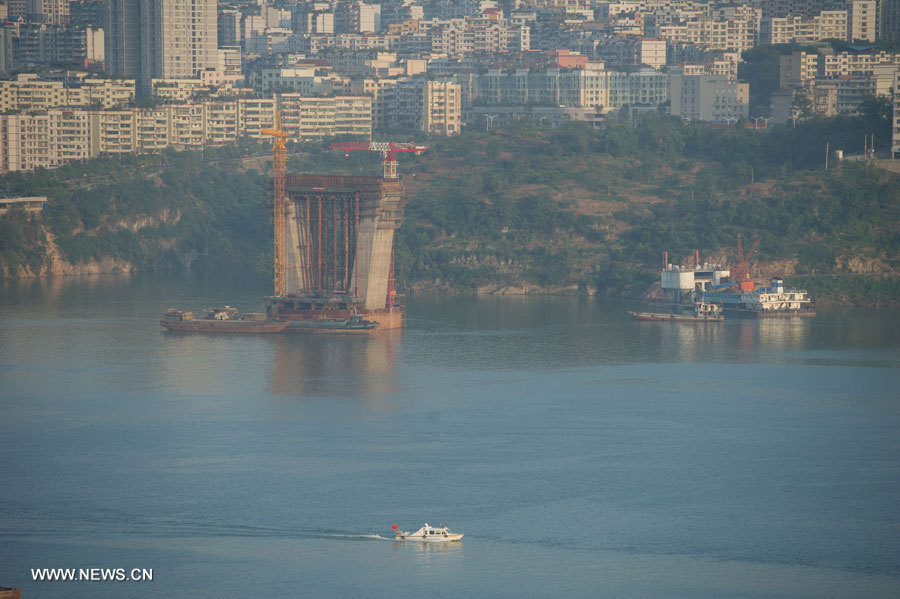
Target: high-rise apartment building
(441, 108)
(87, 12)
(123, 39)
(55, 12)
(861, 20)
(708, 98)
(895, 121)
(167, 39)
(16, 8)
(890, 20)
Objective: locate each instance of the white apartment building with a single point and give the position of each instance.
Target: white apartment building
(591, 87)
(256, 114)
(55, 12)
(68, 135)
(186, 126)
(723, 34)
(58, 136)
(861, 16)
(441, 108)
(708, 98)
(831, 65)
(24, 142)
(798, 69)
(165, 39)
(27, 91)
(310, 117)
(632, 51)
(30, 141)
(112, 132)
(829, 24)
(369, 18)
(152, 129)
(220, 122)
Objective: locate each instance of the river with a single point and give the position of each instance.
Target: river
(583, 454)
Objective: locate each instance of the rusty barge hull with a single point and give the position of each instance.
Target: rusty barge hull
(292, 311)
(665, 317)
(224, 326)
(746, 313)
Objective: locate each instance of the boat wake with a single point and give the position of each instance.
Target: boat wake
(163, 528)
(350, 537)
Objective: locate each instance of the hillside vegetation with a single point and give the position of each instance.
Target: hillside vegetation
(515, 209)
(594, 209)
(173, 210)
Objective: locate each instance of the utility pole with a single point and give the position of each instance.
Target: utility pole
(826, 155)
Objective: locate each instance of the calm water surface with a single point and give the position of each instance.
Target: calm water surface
(581, 453)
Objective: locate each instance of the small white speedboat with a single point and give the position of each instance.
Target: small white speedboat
(427, 533)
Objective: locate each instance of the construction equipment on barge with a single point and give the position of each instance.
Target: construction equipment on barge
(734, 290)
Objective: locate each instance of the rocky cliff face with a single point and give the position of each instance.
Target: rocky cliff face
(55, 266)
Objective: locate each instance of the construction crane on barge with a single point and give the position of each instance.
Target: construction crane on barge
(741, 272)
(388, 150)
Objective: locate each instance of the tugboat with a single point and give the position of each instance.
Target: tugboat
(427, 534)
(703, 312)
(220, 320)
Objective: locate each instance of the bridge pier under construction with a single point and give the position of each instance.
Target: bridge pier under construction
(339, 248)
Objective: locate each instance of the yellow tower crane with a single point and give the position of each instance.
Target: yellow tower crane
(279, 165)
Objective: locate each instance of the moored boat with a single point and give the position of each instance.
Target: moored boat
(336, 326)
(8, 593)
(220, 321)
(703, 312)
(428, 534)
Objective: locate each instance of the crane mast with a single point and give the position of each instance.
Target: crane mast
(279, 165)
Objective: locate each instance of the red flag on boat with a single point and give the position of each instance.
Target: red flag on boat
(395, 527)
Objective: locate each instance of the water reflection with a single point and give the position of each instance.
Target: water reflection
(328, 365)
(784, 333)
(684, 341)
(769, 334)
(428, 554)
(53, 294)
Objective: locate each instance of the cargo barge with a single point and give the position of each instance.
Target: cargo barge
(220, 321)
(303, 310)
(355, 325)
(703, 312)
(227, 320)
